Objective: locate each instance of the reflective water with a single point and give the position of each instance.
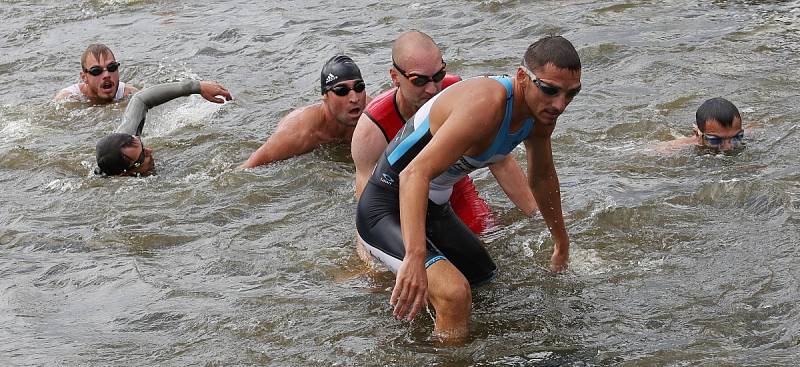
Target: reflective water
(677, 259)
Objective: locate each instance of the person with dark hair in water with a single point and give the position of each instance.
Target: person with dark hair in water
(330, 121)
(403, 216)
(100, 79)
(418, 73)
(718, 126)
(123, 153)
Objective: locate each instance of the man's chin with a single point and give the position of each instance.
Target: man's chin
(349, 121)
(547, 118)
(103, 98)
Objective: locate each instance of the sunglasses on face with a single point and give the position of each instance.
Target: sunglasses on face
(97, 70)
(419, 79)
(342, 90)
(547, 89)
(717, 141)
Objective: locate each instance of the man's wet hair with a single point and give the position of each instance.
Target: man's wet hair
(97, 50)
(110, 160)
(719, 109)
(554, 50)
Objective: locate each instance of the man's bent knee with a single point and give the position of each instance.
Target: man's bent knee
(449, 290)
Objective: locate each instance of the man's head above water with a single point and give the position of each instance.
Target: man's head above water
(343, 90)
(719, 125)
(121, 154)
(100, 73)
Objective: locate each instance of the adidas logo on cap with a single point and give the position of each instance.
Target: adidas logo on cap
(330, 78)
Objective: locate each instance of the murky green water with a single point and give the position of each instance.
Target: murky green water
(677, 259)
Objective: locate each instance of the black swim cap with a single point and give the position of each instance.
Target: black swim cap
(110, 160)
(337, 69)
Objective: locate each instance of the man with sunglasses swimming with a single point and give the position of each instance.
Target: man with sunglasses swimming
(418, 73)
(331, 121)
(402, 214)
(123, 153)
(718, 128)
(100, 79)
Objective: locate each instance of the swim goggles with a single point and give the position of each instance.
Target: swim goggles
(419, 79)
(97, 70)
(139, 161)
(342, 90)
(546, 88)
(717, 141)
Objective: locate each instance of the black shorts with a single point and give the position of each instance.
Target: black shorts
(448, 238)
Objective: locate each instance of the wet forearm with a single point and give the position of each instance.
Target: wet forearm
(547, 192)
(413, 208)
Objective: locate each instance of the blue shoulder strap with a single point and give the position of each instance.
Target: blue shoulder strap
(498, 140)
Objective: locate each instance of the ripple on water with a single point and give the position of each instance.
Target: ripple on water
(676, 259)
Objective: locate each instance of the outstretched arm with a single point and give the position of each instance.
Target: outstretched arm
(513, 181)
(295, 135)
(148, 98)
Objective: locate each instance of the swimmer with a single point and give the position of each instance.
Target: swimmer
(402, 214)
(718, 127)
(100, 79)
(331, 121)
(123, 153)
(418, 73)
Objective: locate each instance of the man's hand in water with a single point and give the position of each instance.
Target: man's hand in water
(212, 90)
(559, 261)
(410, 294)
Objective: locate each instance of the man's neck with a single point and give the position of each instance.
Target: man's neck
(520, 110)
(92, 97)
(405, 108)
(330, 127)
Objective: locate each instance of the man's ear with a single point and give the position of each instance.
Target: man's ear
(83, 77)
(698, 135)
(393, 74)
(521, 75)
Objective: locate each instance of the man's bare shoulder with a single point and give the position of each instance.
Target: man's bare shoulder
(367, 139)
(129, 89)
(672, 146)
(485, 89)
(306, 117)
(68, 95)
(478, 99)
(365, 129)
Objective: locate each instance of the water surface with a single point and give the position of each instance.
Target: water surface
(677, 259)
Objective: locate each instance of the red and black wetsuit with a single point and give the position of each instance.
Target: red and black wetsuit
(465, 201)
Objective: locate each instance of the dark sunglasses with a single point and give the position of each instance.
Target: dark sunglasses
(420, 80)
(97, 70)
(547, 89)
(717, 141)
(342, 90)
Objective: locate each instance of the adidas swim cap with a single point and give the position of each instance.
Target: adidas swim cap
(337, 69)
(110, 160)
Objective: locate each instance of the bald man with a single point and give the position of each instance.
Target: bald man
(418, 73)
